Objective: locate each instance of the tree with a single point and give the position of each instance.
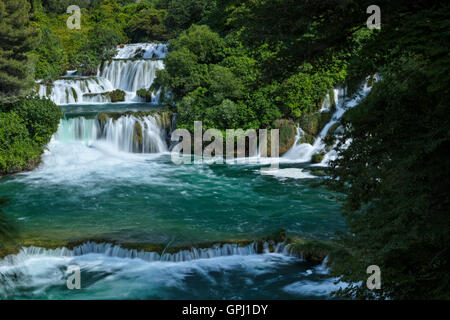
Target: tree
(181, 14)
(395, 174)
(50, 55)
(17, 38)
(147, 25)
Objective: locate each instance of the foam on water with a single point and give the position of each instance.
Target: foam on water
(293, 173)
(144, 50)
(108, 273)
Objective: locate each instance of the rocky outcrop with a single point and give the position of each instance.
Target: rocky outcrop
(117, 95)
(314, 123)
(287, 133)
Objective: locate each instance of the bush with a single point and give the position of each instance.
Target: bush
(40, 116)
(17, 149)
(302, 93)
(25, 128)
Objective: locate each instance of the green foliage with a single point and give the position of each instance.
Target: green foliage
(265, 104)
(181, 14)
(204, 88)
(26, 126)
(302, 92)
(17, 149)
(17, 38)
(60, 6)
(228, 115)
(50, 56)
(40, 116)
(317, 158)
(395, 173)
(117, 95)
(145, 94)
(315, 122)
(287, 134)
(146, 25)
(206, 45)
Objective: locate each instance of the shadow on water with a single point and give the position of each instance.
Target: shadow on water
(8, 228)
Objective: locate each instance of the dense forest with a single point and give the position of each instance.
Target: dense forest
(245, 64)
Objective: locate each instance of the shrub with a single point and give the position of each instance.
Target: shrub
(17, 150)
(40, 116)
(26, 127)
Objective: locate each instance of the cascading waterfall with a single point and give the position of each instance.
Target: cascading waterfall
(131, 75)
(110, 250)
(133, 68)
(137, 135)
(128, 133)
(303, 152)
(142, 50)
(77, 90)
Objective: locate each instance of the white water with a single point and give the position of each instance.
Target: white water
(77, 90)
(112, 272)
(148, 50)
(117, 251)
(119, 134)
(127, 75)
(106, 277)
(131, 75)
(303, 152)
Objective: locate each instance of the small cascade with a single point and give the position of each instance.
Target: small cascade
(71, 90)
(111, 250)
(127, 133)
(133, 68)
(142, 51)
(303, 152)
(131, 75)
(138, 135)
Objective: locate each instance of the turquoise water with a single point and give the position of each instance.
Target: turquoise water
(87, 190)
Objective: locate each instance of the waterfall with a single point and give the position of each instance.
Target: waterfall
(131, 75)
(111, 250)
(303, 152)
(142, 50)
(128, 133)
(133, 68)
(76, 90)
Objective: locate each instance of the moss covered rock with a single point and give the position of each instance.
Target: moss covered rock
(317, 158)
(287, 134)
(306, 138)
(311, 250)
(117, 95)
(88, 72)
(145, 94)
(331, 136)
(314, 123)
(137, 137)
